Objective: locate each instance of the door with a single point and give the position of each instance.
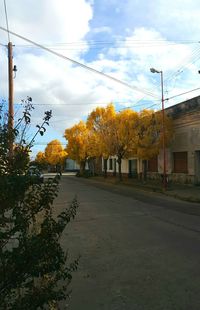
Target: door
(197, 167)
(115, 167)
(132, 167)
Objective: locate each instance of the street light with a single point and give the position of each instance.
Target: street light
(163, 128)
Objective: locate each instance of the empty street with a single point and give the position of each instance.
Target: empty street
(136, 251)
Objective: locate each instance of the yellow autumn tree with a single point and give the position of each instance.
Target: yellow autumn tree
(99, 123)
(78, 143)
(55, 154)
(40, 158)
(150, 135)
(123, 135)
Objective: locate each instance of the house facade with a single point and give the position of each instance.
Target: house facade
(71, 165)
(183, 153)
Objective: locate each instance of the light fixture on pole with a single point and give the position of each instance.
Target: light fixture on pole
(163, 128)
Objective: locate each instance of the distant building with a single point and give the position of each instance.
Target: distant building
(71, 165)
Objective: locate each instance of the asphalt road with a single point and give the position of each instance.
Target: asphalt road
(139, 250)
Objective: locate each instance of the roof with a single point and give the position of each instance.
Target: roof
(181, 108)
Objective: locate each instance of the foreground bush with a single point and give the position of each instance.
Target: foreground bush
(34, 269)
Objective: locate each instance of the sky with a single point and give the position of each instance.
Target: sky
(122, 39)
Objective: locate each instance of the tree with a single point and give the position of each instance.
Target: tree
(150, 135)
(40, 157)
(32, 261)
(40, 160)
(123, 135)
(99, 123)
(78, 144)
(54, 153)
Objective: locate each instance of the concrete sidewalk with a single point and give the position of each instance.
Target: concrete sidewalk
(189, 193)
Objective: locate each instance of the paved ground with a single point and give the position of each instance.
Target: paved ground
(186, 192)
(139, 250)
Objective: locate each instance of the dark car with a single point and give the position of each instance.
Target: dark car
(35, 174)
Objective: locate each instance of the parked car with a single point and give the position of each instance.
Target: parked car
(35, 174)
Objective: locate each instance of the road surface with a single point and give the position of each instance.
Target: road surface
(139, 250)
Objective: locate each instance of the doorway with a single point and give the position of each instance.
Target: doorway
(197, 167)
(132, 168)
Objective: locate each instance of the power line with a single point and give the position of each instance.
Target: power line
(139, 105)
(129, 41)
(195, 55)
(45, 143)
(135, 105)
(187, 92)
(146, 92)
(186, 61)
(128, 107)
(95, 103)
(80, 104)
(96, 47)
(6, 14)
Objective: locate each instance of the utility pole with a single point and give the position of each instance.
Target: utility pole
(10, 98)
(163, 132)
(163, 129)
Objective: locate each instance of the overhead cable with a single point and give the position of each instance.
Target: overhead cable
(6, 14)
(187, 92)
(195, 55)
(146, 92)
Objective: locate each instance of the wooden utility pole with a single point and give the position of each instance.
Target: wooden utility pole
(10, 98)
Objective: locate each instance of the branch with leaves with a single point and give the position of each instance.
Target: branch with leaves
(32, 261)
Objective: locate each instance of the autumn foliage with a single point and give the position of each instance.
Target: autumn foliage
(79, 143)
(54, 154)
(150, 133)
(121, 134)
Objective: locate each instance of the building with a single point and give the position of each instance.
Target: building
(71, 165)
(183, 153)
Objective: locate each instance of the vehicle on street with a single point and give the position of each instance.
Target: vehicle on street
(35, 174)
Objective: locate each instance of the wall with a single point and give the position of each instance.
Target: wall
(187, 138)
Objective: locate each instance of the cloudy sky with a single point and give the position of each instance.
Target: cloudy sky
(122, 39)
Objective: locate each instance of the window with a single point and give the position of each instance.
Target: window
(180, 162)
(110, 164)
(153, 164)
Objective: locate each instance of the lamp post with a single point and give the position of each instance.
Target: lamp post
(163, 128)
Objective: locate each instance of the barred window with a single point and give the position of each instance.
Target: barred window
(153, 164)
(180, 162)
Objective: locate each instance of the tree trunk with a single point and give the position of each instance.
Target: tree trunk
(119, 160)
(105, 166)
(144, 162)
(115, 168)
(91, 165)
(82, 167)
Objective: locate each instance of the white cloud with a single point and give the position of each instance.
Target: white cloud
(174, 19)
(102, 29)
(72, 92)
(49, 20)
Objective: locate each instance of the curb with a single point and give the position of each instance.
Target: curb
(153, 190)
